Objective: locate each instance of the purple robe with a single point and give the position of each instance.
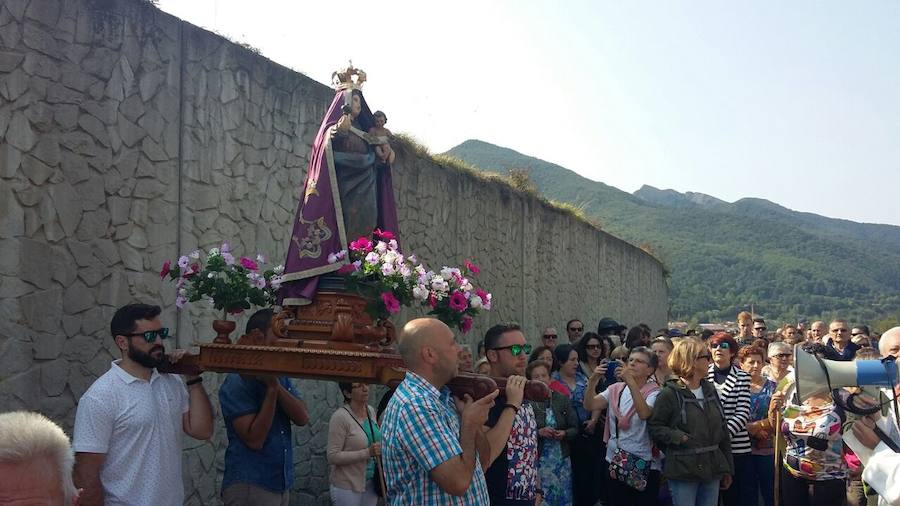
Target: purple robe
(319, 223)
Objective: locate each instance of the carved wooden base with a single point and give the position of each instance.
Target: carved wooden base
(338, 319)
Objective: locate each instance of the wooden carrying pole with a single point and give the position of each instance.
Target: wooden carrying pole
(776, 499)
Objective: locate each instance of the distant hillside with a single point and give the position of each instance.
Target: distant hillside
(724, 256)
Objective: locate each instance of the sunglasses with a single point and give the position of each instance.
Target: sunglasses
(516, 349)
(759, 328)
(719, 346)
(783, 355)
(550, 336)
(857, 334)
(704, 357)
(150, 335)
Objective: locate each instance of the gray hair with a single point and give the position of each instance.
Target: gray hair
(779, 347)
(26, 435)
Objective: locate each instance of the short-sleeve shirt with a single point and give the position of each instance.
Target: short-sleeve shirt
(420, 432)
(512, 477)
(636, 438)
(272, 466)
(138, 425)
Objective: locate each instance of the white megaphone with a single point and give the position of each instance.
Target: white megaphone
(813, 376)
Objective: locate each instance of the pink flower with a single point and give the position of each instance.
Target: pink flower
(165, 269)
(472, 267)
(384, 234)
(458, 302)
(361, 244)
(346, 269)
(248, 264)
(390, 302)
(466, 324)
(481, 293)
(432, 301)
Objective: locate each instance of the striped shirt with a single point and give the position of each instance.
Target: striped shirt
(734, 394)
(421, 432)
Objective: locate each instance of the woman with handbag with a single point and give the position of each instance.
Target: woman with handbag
(354, 444)
(557, 428)
(634, 464)
(688, 425)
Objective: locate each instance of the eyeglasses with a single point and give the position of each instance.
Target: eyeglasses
(576, 329)
(515, 349)
(150, 335)
(719, 346)
(854, 334)
(592, 346)
(784, 355)
(759, 328)
(550, 336)
(704, 357)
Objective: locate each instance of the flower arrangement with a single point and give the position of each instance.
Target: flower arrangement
(231, 284)
(378, 271)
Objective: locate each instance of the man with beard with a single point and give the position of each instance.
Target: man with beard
(511, 427)
(127, 439)
(433, 449)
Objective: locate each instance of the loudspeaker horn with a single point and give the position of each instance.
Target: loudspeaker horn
(813, 376)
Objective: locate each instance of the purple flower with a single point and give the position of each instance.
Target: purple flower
(180, 301)
(183, 261)
(458, 302)
(228, 257)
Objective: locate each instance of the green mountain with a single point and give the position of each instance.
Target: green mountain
(724, 256)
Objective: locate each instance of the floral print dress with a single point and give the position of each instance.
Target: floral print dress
(555, 470)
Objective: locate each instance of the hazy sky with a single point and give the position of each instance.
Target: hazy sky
(796, 102)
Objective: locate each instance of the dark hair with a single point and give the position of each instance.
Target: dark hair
(537, 353)
(570, 322)
(759, 320)
(346, 388)
(581, 346)
(647, 330)
(123, 322)
(534, 365)
(261, 320)
(492, 336)
(380, 113)
(864, 328)
(481, 345)
(561, 354)
(820, 350)
(706, 334)
(635, 335)
(760, 343)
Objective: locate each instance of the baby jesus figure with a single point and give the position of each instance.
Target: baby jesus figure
(383, 149)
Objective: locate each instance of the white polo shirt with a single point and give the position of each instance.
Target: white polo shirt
(137, 424)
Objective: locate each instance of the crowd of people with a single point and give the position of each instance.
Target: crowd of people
(633, 417)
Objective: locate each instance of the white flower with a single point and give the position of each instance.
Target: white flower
(414, 259)
(439, 285)
(420, 292)
(260, 282)
(182, 291)
(381, 247)
(390, 257)
(487, 303)
(448, 272)
(214, 252)
(276, 281)
(195, 254)
(183, 262)
(261, 259)
(228, 257)
(475, 302)
(372, 258)
(210, 275)
(278, 269)
(393, 244)
(405, 271)
(332, 258)
(387, 269)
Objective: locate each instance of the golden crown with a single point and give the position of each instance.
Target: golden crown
(343, 79)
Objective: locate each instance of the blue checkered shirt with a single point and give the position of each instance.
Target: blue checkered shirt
(421, 431)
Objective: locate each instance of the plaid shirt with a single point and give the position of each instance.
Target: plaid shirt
(421, 431)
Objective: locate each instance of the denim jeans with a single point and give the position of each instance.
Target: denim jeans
(694, 493)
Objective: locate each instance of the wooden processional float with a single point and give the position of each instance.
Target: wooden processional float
(333, 338)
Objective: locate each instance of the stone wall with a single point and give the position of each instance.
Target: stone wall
(128, 136)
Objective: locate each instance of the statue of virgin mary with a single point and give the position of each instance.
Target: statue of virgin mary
(347, 193)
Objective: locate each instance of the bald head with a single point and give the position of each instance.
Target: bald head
(819, 330)
(890, 343)
(419, 333)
